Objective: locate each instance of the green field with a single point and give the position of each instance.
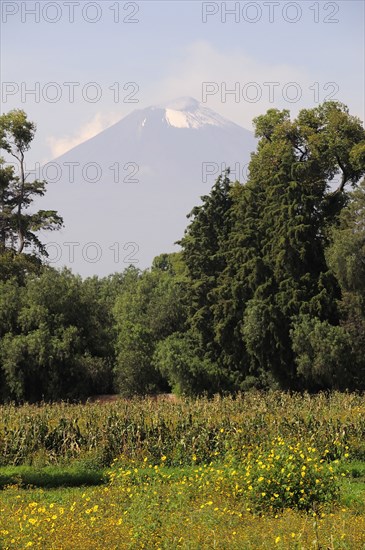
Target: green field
(264, 470)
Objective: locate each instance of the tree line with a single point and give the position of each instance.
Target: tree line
(268, 289)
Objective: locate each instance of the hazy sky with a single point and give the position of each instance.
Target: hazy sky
(91, 63)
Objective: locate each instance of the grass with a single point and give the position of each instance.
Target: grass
(171, 508)
(50, 476)
(353, 486)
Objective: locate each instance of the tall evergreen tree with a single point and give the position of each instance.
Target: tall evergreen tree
(203, 255)
(275, 262)
(18, 227)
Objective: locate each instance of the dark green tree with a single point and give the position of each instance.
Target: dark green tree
(149, 309)
(186, 370)
(53, 339)
(273, 266)
(203, 254)
(346, 258)
(18, 227)
(323, 355)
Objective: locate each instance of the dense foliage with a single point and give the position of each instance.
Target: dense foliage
(275, 267)
(267, 291)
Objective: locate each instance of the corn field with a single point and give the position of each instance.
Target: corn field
(185, 431)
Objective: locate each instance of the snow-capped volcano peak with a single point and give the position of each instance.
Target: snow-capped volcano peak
(138, 179)
(187, 112)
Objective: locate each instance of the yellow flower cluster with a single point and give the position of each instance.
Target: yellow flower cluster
(288, 476)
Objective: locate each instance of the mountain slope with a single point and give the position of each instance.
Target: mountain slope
(136, 181)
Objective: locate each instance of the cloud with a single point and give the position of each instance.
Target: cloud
(271, 85)
(97, 124)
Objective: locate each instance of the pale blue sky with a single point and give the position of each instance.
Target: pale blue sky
(169, 53)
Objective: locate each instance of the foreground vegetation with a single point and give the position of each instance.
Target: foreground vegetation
(262, 470)
(159, 507)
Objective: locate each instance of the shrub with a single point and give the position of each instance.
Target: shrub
(289, 476)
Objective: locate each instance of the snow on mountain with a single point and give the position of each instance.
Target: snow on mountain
(125, 193)
(187, 112)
